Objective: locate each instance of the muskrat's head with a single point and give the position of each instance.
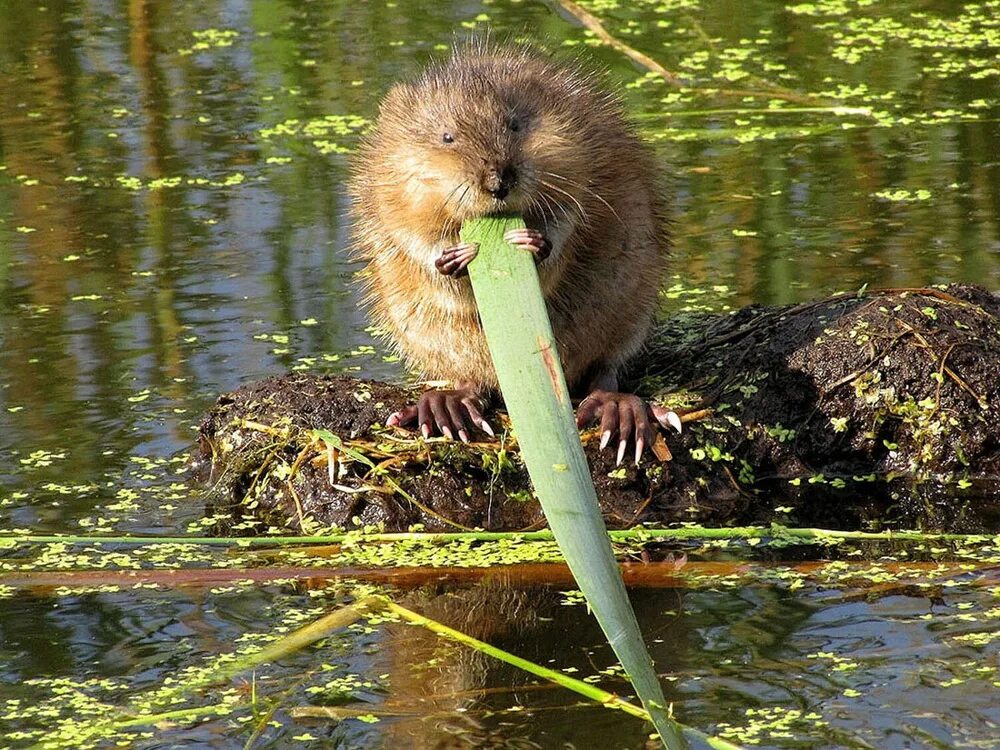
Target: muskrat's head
(488, 131)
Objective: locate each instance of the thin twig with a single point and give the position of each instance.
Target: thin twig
(594, 24)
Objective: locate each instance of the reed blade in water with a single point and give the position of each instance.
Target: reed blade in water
(517, 329)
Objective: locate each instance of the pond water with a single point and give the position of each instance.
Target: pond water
(172, 225)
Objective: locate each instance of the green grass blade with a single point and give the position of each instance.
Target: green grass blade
(520, 338)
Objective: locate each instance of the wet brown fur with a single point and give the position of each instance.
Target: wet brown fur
(584, 179)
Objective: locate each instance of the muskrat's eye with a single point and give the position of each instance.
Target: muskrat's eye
(515, 125)
(447, 138)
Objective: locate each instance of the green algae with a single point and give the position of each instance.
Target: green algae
(330, 134)
(373, 550)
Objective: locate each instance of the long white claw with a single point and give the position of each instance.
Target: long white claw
(674, 421)
(485, 427)
(605, 439)
(621, 452)
(639, 445)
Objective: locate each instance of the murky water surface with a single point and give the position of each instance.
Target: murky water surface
(171, 226)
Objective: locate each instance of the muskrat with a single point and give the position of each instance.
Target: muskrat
(506, 129)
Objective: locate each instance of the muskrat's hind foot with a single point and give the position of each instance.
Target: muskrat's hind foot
(531, 240)
(455, 260)
(450, 411)
(626, 415)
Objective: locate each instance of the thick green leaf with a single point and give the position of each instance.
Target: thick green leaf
(517, 328)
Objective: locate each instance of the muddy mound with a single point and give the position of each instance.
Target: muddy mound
(881, 409)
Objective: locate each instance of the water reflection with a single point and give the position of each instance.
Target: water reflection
(757, 661)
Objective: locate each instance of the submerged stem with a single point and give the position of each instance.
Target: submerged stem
(592, 692)
(544, 535)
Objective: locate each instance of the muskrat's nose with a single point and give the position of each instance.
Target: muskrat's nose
(500, 181)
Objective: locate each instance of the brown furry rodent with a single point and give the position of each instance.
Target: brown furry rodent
(504, 129)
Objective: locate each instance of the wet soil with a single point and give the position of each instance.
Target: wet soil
(877, 410)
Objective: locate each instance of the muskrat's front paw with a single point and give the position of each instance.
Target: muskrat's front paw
(450, 411)
(626, 415)
(531, 240)
(455, 260)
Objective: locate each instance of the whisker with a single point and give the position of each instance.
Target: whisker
(466, 187)
(536, 203)
(439, 213)
(545, 202)
(553, 204)
(589, 190)
(583, 213)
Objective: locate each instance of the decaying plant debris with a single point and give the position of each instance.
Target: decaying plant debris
(879, 408)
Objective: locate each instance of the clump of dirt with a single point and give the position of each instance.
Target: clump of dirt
(880, 409)
(270, 464)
